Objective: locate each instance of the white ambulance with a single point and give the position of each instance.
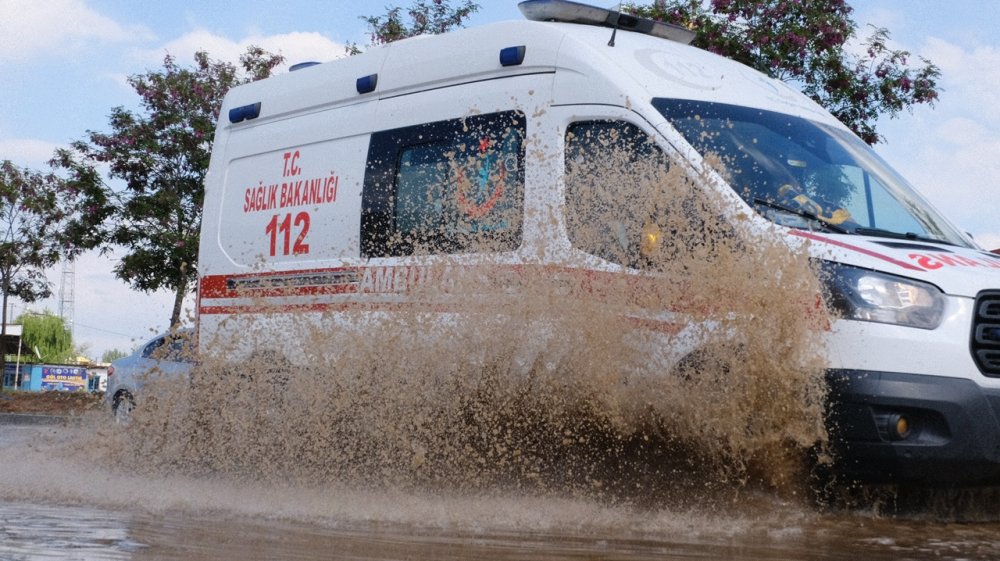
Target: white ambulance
(318, 177)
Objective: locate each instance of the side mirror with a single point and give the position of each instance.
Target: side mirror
(651, 239)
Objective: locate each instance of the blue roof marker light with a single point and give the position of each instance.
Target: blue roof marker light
(244, 113)
(366, 84)
(512, 56)
(301, 65)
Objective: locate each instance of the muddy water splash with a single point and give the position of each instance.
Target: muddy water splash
(668, 348)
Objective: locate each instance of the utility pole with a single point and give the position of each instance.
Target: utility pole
(67, 288)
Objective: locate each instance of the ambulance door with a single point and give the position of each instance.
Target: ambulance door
(612, 160)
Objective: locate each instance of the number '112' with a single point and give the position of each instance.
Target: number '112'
(283, 229)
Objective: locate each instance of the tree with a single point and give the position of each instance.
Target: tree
(803, 43)
(112, 355)
(47, 333)
(31, 211)
(162, 154)
(425, 18)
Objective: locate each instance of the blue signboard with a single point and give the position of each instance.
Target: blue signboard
(64, 378)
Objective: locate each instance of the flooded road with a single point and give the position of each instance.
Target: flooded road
(33, 531)
(57, 505)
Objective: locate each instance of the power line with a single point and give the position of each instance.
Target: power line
(105, 330)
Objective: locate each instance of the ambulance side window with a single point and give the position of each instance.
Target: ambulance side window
(609, 167)
(446, 187)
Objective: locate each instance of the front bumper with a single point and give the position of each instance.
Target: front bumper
(954, 435)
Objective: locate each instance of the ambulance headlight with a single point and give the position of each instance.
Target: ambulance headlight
(864, 295)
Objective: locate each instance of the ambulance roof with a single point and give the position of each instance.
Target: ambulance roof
(636, 69)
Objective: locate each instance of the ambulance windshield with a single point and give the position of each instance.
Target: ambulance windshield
(804, 174)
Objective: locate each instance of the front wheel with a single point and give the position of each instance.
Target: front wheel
(122, 407)
(713, 365)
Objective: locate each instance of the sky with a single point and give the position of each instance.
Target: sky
(64, 66)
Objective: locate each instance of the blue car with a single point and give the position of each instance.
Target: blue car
(169, 354)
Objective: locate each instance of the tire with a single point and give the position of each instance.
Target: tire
(713, 364)
(122, 407)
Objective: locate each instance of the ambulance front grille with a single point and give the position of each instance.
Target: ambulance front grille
(986, 333)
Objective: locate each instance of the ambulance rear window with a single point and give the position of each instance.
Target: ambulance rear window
(446, 187)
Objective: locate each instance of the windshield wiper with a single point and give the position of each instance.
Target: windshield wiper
(883, 233)
(803, 213)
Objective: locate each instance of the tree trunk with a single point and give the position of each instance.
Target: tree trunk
(175, 315)
(3, 337)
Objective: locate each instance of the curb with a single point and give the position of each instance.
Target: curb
(32, 419)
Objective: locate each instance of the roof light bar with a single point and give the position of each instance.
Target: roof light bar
(244, 113)
(512, 56)
(574, 12)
